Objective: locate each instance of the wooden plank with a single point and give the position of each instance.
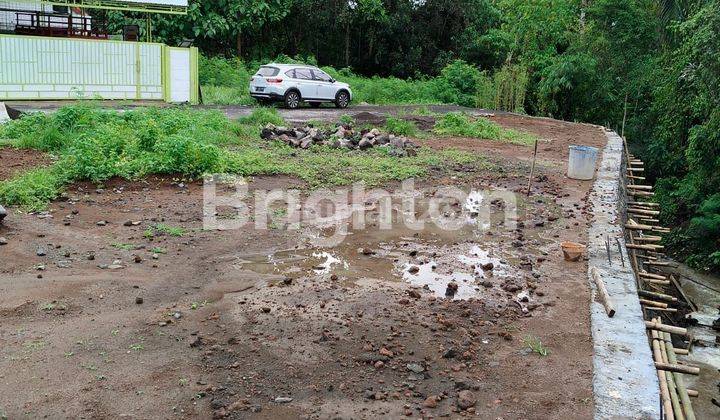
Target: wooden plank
(682, 293)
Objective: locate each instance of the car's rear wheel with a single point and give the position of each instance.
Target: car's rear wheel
(315, 104)
(342, 99)
(292, 99)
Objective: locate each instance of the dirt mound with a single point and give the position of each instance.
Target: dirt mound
(17, 160)
(369, 118)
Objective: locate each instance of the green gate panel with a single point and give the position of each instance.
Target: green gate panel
(60, 68)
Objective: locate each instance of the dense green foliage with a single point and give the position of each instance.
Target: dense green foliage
(95, 144)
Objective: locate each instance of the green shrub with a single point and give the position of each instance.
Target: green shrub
(400, 127)
(459, 124)
(218, 71)
(32, 190)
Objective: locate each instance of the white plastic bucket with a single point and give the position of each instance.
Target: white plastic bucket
(581, 164)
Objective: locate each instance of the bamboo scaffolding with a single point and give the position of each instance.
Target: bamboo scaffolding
(639, 187)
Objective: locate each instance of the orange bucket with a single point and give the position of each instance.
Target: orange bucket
(573, 251)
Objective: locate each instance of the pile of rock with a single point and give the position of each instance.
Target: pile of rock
(342, 136)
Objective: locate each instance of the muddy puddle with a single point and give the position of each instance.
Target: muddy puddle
(478, 251)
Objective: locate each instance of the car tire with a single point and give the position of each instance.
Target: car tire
(342, 99)
(292, 99)
(315, 104)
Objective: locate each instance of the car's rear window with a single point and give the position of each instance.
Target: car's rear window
(266, 71)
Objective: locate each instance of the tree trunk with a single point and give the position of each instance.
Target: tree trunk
(239, 44)
(347, 44)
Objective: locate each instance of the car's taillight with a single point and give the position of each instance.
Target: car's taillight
(274, 80)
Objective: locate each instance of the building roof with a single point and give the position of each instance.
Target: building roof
(151, 6)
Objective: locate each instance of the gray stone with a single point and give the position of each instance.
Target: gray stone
(415, 368)
(365, 144)
(466, 399)
(3, 241)
(397, 142)
(382, 139)
(306, 142)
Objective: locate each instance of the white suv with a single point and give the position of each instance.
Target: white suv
(292, 84)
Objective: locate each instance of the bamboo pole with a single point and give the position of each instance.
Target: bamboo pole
(683, 352)
(693, 393)
(652, 308)
(652, 276)
(672, 387)
(664, 390)
(602, 291)
(634, 210)
(667, 328)
(644, 247)
(658, 296)
(652, 303)
(643, 203)
(650, 238)
(532, 169)
(658, 282)
(639, 187)
(658, 263)
(679, 380)
(690, 370)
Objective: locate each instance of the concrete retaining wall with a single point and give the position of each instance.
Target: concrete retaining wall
(625, 380)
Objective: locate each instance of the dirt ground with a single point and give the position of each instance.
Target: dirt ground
(99, 319)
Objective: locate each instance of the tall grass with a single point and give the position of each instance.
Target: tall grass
(459, 124)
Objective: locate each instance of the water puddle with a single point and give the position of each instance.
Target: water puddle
(466, 259)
